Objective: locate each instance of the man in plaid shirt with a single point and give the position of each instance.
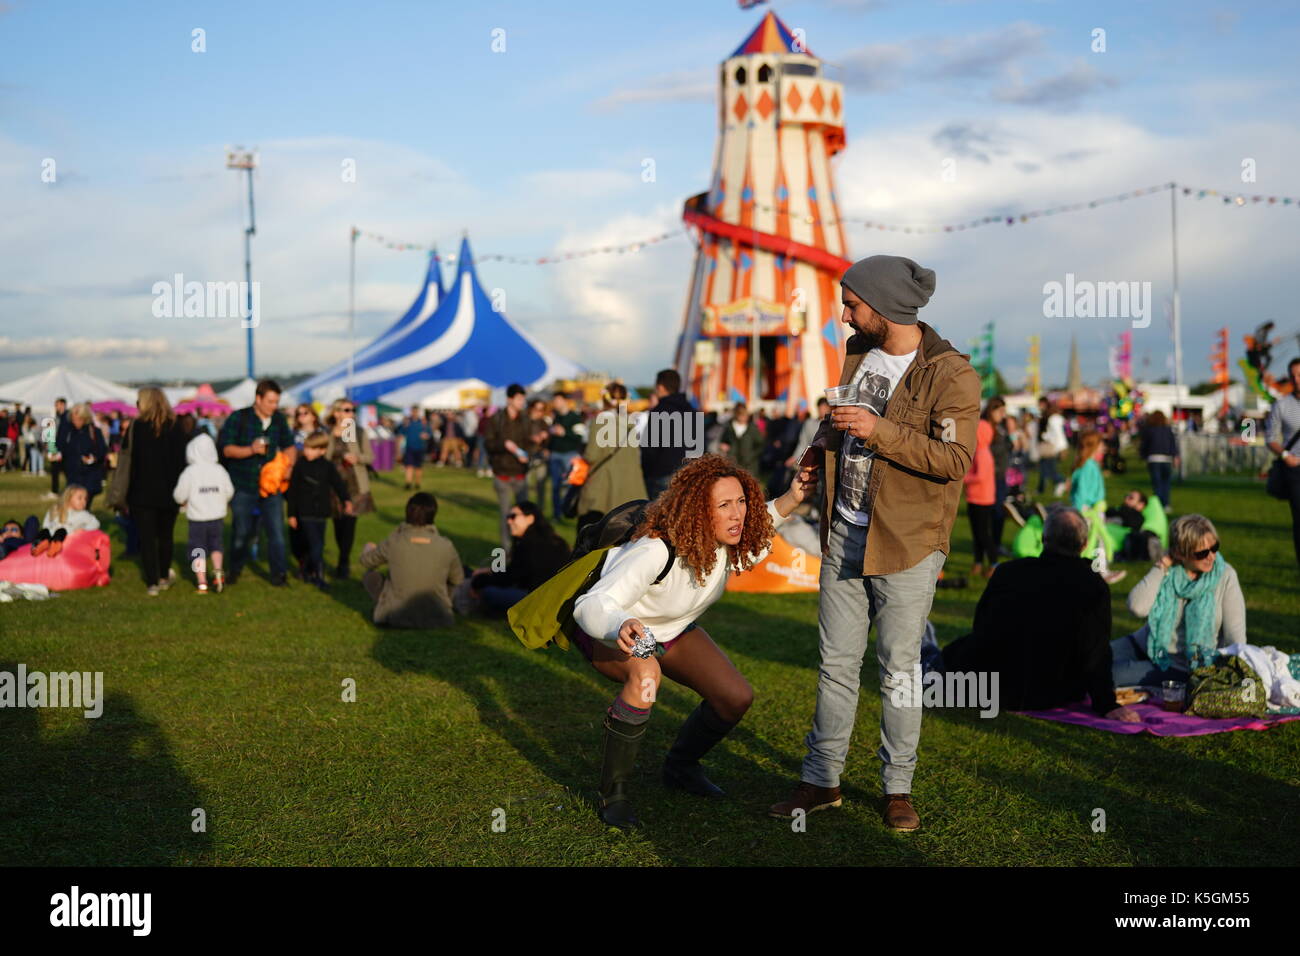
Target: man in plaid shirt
(249, 439)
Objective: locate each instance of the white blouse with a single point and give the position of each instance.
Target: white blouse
(625, 590)
(79, 521)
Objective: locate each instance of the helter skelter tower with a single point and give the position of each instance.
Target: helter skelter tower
(771, 245)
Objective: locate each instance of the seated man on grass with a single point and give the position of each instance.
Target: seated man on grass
(423, 570)
(1043, 625)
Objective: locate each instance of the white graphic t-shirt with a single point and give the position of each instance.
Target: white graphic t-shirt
(875, 378)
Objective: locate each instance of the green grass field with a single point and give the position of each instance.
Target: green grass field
(232, 703)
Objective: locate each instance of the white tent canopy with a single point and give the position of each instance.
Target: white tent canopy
(241, 395)
(39, 391)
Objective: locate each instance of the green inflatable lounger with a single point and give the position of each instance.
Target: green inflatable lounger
(1028, 542)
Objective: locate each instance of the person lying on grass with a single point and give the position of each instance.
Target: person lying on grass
(15, 536)
(636, 627)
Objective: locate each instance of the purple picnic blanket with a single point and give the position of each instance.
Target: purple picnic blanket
(1157, 721)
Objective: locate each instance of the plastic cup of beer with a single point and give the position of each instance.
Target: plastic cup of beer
(842, 395)
(1173, 695)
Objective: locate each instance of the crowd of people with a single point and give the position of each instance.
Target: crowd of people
(881, 476)
(1072, 458)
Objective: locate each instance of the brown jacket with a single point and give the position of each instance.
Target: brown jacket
(501, 428)
(923, 447)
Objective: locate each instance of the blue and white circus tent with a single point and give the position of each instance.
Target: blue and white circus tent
(462, 343)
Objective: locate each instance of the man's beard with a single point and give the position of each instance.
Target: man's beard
(874, 331)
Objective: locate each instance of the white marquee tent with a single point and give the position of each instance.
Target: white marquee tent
(241, 395)
(40, 390)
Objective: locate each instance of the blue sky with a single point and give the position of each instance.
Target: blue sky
(540, 148)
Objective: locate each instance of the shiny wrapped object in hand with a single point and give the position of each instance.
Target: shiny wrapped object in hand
(644, 646)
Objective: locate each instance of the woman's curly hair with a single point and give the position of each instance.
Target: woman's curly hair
(683, 516)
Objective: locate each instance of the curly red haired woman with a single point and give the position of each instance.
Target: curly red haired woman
(713, 515)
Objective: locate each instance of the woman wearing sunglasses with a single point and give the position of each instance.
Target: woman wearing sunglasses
(1193, 605)
(305, 422)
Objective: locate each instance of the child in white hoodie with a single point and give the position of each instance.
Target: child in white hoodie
(204, 489)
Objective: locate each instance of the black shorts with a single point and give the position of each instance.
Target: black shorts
(205, 536)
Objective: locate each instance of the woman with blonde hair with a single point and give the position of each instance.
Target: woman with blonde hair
(638, 621)
(156, 441)
(349, 450)
(1193, 605)
(66, 516)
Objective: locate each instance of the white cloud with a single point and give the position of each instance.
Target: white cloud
(685, 86)
(84, 348)
(628, 307)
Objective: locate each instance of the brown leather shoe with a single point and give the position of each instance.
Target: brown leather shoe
(899, 813)
(806, 797)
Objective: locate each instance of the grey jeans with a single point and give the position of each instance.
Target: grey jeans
(899, 604)
(510, 492)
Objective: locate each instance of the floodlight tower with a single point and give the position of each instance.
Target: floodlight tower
(239, 158)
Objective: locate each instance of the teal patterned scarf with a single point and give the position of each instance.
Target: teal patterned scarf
(1198, 616)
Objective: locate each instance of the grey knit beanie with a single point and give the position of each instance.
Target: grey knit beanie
(892, 285)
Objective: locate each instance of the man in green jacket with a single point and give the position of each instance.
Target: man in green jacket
(742, 442)
(893, 460)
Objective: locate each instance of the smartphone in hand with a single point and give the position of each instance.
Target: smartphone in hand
(809, 457)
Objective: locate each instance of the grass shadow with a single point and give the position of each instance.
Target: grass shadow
(107, 793)
(548, 707)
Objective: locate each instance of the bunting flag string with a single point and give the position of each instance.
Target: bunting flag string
(1227, 197)
(552, 259)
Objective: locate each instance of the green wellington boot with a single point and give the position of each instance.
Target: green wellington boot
(700, 733)
(622, 740)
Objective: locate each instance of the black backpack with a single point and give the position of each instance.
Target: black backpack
(616, 528)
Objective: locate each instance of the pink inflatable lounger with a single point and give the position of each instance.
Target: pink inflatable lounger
(83, 563)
